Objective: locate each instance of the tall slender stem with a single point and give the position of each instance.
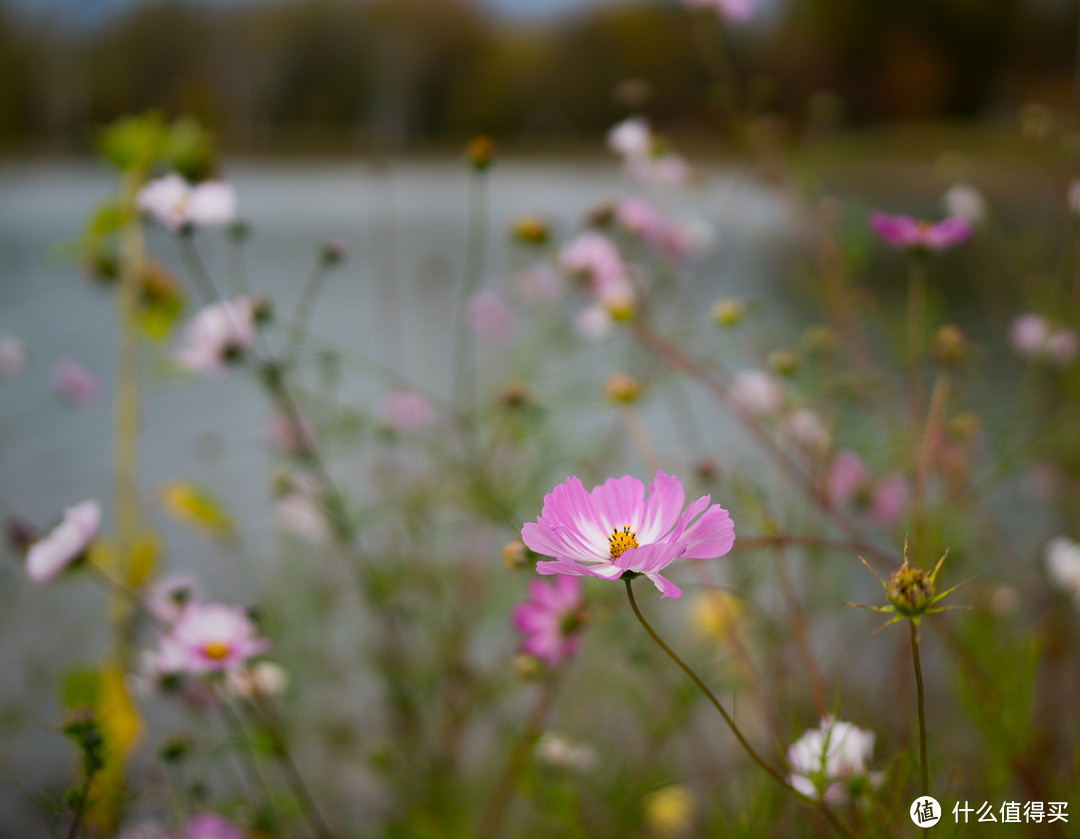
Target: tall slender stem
(925, 772)
(236, 726)
(916, 330)
(776, 776)
(80, 807)
(464, 374)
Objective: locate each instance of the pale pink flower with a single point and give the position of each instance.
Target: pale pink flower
(848, 476)
(407, 411)
(210, 638)
(1028, 334)
(831, 762)
(556, 750)
(889, 499)
(68, 541)
(664, 169)
(593, 322)
(595, 257)
(288, 436)
(489, 317)
(804, 429)
(75, 383)
(641, 217)
(539, 284)
(757, 392)
(912, 234)
(551, 619)
(12, 357)
(210, 826)
(966, 202)
(218, 334)
(300, 513)
(168, 597)
(173, 203)
(733, 11)
(1061, 346)
(631, 138)
(263, 678)
(615, 531)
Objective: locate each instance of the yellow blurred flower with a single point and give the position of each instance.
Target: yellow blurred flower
(669, 811)
(713, 614)
(196, 506)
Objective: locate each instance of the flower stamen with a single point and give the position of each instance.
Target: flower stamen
(216, 650)
(620, 540)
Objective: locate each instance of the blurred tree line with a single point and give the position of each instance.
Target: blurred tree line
(396, 73)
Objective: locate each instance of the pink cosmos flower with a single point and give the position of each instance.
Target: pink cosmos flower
(407, 411)
(804, 429)
(75, 383)
(12, 357)
(48, 556)
(889, 499)
(847, 476)
(1034, 336)
(173, 203)
(615, 530)
(631, 138)
(218, 334)
(734, 11)
(489, 317)
(210, 826)
(551, 618)
(595, 257)
(209, 638)
(911, 234)
(641, 217)
(757, 392)
(168, 597)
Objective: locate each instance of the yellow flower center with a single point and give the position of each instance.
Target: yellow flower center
(620, 540)
(216, 650)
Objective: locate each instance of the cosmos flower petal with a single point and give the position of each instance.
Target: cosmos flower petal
(666, 588)
(662, 508)
(710, 536)
(618, 502)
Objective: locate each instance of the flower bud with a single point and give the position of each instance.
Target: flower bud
(727, 312)
(480, 152)
(950, 346)
(784, 362)
(623, 389)
(527, 667)
(531, 231)
(910, 590)
(516, 395)
(600, 216)
(333, 252)
(515, 555)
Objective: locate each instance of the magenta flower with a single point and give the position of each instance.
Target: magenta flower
(734, 11)
(220, 333)
(907, 233)
(614, 530)
(173, 203)
(551, 619)
(848, 476)
(68, 541)
(889, 499)
(209, 638)
(407, 411)
(210, 826)
(75, 383)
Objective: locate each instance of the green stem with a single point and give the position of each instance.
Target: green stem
(84, 793)
(925, 772)
(236, 726)
(464, 374)
(776, 776)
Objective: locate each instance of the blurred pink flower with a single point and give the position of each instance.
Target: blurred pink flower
(757, 392)
(210, 826)
(889, 499)
(218, 334)
(12, 357)
(539, 284)
(300, 512)
(734, 11)
(912, 234)
(173, 203)
(1061, 346)
(631, 138)
(847, 476)
(641, 217)
(551, 619)
(804, 429)
(407, 411)
(595, 257)
(593, 322)
(489, 317)
(68, 541)
(209, 638)
(615, 530)
(1034, 336)
(75, 383)
(168, 596)
(287, 436)
(665, 169)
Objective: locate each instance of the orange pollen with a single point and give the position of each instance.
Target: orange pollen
(216, 650)
(620, 540)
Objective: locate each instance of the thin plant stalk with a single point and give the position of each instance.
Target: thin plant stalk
(802, 638)
(464, 372)
(916, 330)
(772, 773)
(518, 760)
(80, 807)
(247, 757)
(924, 769)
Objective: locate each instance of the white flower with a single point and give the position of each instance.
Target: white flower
(631, 138)
(757, 392)
(965, 201)
(830, 761)
(173, 203)
(1062, 557)
(555, 750)
(67, 542)
(219, 333)
(263, 678)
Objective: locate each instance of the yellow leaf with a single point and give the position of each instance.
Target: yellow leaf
(144, 557)
(196, 506)
(121, 729)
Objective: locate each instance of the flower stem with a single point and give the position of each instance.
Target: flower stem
(236, 726)
(925, 772)
(776, 776)
(80, 807)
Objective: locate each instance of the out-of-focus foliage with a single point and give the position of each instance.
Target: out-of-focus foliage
(387, 73)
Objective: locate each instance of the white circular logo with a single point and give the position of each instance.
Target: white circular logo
(925, 811)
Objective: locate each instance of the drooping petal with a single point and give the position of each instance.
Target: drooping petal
(710, 536)
(666, 588)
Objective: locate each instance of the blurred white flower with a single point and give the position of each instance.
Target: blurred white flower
(555, 750)
(66, 542)
(1062, 558)
(965, 201)
(757, 392)
(830, 762)
(173, 202)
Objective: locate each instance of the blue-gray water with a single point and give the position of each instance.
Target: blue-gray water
(407, 225)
